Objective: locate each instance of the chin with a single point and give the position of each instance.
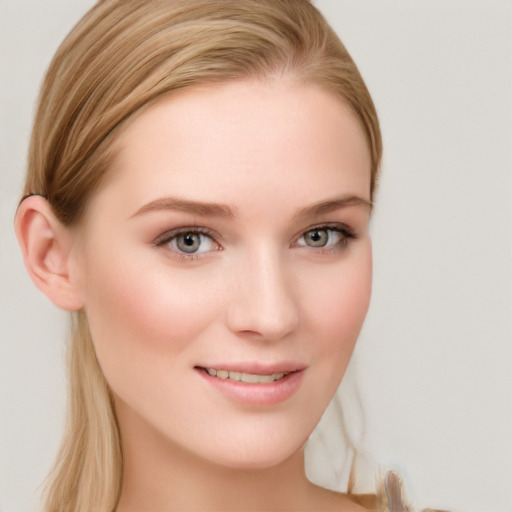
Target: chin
(256, 461)
(258, 451)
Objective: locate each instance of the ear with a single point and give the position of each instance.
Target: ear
(46, 245)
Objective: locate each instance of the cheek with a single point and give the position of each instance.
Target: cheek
(337, 308)
(140, 318)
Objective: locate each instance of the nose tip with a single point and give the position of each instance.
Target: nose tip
(264, 305)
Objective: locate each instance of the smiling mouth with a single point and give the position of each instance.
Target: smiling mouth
(247, 378)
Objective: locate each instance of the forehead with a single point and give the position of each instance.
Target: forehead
(234, 141)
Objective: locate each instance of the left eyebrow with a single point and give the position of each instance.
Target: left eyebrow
(332, 205)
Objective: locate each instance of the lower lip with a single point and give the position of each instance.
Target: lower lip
(271, 393)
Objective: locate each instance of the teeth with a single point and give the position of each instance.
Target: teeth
(222, 374)
(248, 378)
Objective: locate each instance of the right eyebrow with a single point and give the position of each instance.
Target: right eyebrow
(193, 207)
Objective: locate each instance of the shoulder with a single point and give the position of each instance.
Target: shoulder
(327, 500)
(368, 502)
(389, 498)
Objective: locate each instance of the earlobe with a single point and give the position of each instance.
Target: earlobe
(45, 244)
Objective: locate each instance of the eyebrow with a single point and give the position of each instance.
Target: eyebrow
(334, 204)
(224, 211)
(187, 206)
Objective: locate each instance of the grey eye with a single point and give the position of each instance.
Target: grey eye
(189, 242)
(317, 237)
(323, 237)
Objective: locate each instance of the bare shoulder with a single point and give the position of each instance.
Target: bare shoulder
(339, 502)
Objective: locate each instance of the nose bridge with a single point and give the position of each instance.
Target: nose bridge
(264, 301)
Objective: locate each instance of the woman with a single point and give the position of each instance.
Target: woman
(198, 179)
(170, 138)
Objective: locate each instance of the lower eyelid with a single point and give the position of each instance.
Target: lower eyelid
(343, 232)
(205, 239)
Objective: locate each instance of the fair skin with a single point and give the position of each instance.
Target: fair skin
(230, 235)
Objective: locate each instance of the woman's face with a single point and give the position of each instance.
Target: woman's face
(229, 242)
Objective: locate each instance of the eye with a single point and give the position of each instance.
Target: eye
(324, 237)
(188, 243)
(192, 243)
(317, 238)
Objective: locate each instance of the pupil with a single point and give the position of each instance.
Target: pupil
(189, 242)
(318, 238)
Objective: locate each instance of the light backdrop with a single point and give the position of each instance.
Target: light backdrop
(434, 363)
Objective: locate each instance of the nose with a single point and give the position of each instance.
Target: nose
(263, 304)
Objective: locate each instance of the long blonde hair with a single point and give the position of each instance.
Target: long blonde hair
(121, 57)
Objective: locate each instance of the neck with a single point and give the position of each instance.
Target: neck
(161, 476)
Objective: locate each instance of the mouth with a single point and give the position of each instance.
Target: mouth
(247, 378)
(254, 385)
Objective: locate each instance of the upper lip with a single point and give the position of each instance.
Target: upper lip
(256, 368)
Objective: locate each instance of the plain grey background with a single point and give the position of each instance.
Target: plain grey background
(434, 362)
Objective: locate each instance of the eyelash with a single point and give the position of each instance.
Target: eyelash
(347, 234)
(169, 236)
(345, 231)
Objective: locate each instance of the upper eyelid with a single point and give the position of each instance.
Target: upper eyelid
(216, 237)
(333, 226)
(168, 235)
